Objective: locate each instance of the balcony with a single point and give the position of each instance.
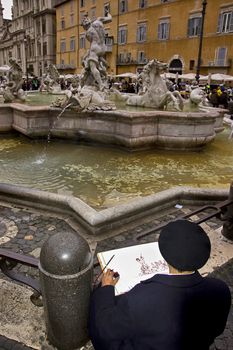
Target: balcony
(218, 64)
(127, 61)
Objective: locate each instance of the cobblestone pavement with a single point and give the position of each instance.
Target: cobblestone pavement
(25, 231)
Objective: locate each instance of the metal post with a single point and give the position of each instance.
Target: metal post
(117, 35)
(227, 230)
(204, 3)
(66, 269)
(26, 59)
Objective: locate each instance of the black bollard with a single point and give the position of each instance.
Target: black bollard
(66, 270)
(227, 230)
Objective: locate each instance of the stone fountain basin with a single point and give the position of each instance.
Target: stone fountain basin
(132, 130)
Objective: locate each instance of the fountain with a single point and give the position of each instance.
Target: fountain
(89, 111)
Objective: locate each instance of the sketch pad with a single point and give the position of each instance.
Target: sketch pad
(134, 264)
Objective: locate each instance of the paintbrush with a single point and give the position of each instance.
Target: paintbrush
(104, 269)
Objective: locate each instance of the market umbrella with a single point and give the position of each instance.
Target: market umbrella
(126, 75)
(168, 75)
(219, 77)
(4, 68)
(188, 76)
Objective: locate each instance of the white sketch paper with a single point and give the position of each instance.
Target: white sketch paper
(134, 264)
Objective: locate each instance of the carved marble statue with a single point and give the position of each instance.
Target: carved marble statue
(52, 80)
(155, 93)
(86, 99)
(198, 98)
(94, 64)
(92, 93)
(13, 88)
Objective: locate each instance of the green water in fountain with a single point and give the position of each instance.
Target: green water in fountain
(103, 177)
(46, 99)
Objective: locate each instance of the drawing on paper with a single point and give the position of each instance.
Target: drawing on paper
(134, 264)
(158, 266)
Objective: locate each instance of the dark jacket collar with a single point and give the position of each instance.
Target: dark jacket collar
(181, 281)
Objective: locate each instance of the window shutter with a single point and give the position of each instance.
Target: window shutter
(167, 31)
(231, 23)
(126, 6)
(219, 23)
(189, 27)
(125, 36)
(159, 31)
(144, 32)
(199, 26)
(138, 34)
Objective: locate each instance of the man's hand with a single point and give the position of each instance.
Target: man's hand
(110, 278)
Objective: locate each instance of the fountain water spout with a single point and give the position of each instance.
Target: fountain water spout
(57, 118)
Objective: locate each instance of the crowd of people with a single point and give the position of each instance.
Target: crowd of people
(218, 95)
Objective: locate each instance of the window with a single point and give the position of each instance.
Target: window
(18, 52)
(72, 6)
(225, 22)
(43, 25)
(122, 35)
(72, 44)
(141, 32)
(106, 8)
(221, 53)
(123, 6)
(163, 30)
(142, 4)
(82, 41)
(93, 12)
(38, 27)
(194, 26)
(82, 14)
(71, 19)
(82, 3)
(121, 58)
(191, 64)
(44, 49)
(39, 48)
(63, 45)
(128, 57)
(141, 57)
(62, 23)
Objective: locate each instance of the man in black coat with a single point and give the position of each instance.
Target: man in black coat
(176, 311)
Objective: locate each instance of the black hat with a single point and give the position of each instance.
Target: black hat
(184, 245)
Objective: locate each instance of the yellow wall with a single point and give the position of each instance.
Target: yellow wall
(71, 30)
(178, 45)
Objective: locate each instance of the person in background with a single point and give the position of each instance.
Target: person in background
(177, 311)
(223, 98)
(214, 98)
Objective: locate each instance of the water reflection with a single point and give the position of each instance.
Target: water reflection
(103, 177)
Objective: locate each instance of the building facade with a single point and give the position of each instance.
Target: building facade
(141, 30)
(6, 42)
(31, 35)
(67, 29)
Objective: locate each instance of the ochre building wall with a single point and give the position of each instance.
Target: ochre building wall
(125, 57)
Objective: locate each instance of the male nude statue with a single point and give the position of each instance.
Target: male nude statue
(94, 61)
